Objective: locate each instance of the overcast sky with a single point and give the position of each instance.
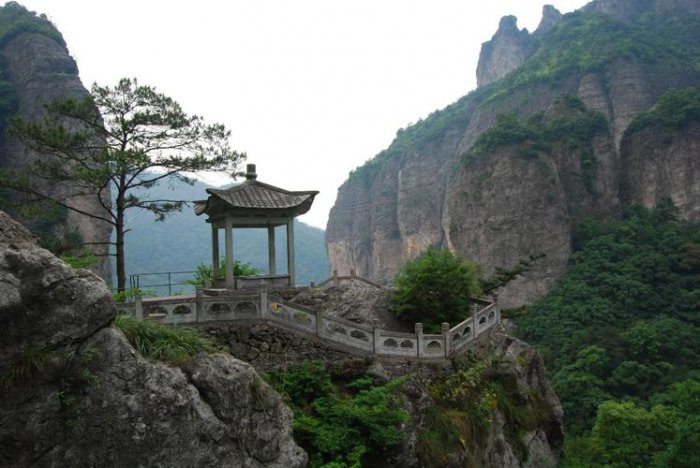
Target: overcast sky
(310, 89)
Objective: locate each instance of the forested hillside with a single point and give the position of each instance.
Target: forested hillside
(621, 339)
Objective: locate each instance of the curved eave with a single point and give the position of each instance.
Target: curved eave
(217, 208)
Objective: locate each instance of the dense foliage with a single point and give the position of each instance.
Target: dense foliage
(341, 425)
(435, 287)
(623, 324)
(674, 110)
(173, 345)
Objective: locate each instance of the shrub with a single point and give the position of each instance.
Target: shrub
(435, 287)
(204, 272)
(173, 345)
(341, 427)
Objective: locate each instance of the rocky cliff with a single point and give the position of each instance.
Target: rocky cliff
(505, 52)
(38, 68)
(74, 392)
(498, 189)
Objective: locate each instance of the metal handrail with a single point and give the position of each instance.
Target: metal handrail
(135, 279)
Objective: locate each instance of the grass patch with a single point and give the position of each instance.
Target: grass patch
(172, 345)
(32, 362)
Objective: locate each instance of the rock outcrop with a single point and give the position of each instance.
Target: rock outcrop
(506, 51)
(517, 200)
(40, 70)
(74, 392)
(550, 18)
(508, 363)
(662, 163)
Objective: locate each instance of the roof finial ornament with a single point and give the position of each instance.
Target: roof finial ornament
(250, 172)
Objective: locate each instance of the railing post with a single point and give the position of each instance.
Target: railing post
(263, 299)
(199, 303)
(377, 331)
(475, 324)
(496, 307)
(419, 339)
(170, 288)
(138, 307)
(445, 329)
(319, 323)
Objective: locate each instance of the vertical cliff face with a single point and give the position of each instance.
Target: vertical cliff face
(520, 198)
(661, 161)
(40, 70)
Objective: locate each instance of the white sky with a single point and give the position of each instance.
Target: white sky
(310, 89)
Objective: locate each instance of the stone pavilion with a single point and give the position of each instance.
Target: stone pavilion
(253, 204)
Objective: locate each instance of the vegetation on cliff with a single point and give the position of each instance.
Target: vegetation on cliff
(341, 424)
(584, 42)
(623, 326)
(575, 128)
(174, 345)
(464, 407)
(675, 110)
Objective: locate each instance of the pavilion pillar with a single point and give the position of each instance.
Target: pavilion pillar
(216, 273)
(229, 253)
(271, 255)
(290, 251)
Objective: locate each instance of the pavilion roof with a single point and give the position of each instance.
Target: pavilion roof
(254, 198)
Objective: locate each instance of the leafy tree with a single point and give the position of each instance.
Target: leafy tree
(435, 287)
(629, 435)
(113, 145)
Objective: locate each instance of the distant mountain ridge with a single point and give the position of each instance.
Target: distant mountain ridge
(506, 171)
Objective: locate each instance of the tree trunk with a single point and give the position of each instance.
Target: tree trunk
(121, 262)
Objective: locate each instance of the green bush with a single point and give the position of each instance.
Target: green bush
(204, 272)
(674, 110)
(173, 345)
(435, 287)
(341, 426)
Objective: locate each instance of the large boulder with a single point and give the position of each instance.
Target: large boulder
(74, 392)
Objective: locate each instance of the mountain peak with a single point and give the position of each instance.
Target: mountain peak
(505, 51)
(550, 17)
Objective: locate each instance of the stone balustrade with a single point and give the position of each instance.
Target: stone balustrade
(263, 304)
